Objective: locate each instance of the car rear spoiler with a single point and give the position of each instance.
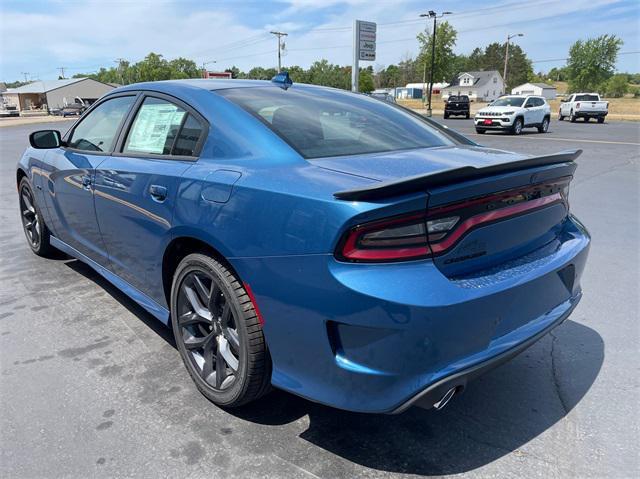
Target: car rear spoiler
(412, 184)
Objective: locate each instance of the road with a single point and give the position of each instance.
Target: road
(92, 386)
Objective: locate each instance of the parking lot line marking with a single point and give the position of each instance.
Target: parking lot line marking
(526, 137)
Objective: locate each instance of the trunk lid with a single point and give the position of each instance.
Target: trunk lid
(503, 207)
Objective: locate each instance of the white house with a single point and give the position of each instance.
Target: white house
(539, 89)
(479, 86)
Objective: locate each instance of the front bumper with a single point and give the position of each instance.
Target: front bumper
(497, 123)
(372, 338)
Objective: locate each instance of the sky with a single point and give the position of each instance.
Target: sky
(39, 36)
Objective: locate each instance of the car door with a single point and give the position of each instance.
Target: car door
(68, 174)
(534, 111)
(565, 106)
(135, 188)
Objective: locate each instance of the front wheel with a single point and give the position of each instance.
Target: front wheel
(218, 333)
(478, 130)
(560, 117)
(544, 126)
(446, 115)
(572, 117)
(466, 116)
(35, 230)
(517, 127)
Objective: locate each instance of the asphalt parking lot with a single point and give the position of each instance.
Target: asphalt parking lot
(92, 386)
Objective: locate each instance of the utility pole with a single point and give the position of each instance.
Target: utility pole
(204, 67)
(61, 71)
(434, 15)
(26, 74)
(120, 61)
(280, 47)
(506, 58)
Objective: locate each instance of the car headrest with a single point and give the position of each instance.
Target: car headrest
(299, 129)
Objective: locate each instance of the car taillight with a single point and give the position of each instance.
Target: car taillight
(421, 235)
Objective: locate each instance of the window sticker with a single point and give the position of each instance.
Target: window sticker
(152, 127)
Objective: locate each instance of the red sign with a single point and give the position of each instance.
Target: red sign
(206, 74)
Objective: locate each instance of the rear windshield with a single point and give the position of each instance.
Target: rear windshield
(509, 101)
(321, 122)
(586, 98)
(459, 98)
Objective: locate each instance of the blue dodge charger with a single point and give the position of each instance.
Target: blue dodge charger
(318, 241)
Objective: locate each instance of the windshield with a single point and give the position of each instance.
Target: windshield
(321, 122)
(459, 98)
(587, 98)
(509, 101)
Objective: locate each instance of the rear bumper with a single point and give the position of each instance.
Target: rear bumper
(376, 338)
(589, 114)
(434, 392)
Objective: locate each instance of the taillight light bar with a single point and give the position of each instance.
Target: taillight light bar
(422, 235)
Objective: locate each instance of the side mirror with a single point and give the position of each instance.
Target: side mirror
(528, 105)
(45, 139)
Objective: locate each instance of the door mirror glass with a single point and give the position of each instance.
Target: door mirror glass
(45, 139)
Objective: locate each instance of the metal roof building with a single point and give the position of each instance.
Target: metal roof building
(43, 95)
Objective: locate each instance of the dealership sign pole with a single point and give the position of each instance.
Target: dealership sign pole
(364, 48)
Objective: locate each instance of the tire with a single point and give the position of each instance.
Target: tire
(516, 129)
(572, 117)
(601, 119)
(466, 116)
(544, 126)
(446, 115)
(36, 231)
(560, 117)
(480, 131)
(586, 119)
(218, 333)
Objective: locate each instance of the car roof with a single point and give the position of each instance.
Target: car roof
(200, 84)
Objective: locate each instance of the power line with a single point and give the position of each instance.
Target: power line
(280, 47)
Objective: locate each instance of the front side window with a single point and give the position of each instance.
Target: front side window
(155, 127)
(97, 131)
(321, 122)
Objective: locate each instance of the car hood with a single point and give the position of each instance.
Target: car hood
(401, 164)
(498, 109)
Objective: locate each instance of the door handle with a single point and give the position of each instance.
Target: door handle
(158, 193)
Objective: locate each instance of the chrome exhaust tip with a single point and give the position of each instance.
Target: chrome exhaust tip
(444, 400)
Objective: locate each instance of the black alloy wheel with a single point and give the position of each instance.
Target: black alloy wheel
(33, 225)
(218, 332)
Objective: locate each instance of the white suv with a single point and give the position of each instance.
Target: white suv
(513, 113)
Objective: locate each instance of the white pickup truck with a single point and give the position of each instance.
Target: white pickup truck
(583, 105)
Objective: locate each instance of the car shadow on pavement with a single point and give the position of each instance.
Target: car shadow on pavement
(134, 308)
(497, 414)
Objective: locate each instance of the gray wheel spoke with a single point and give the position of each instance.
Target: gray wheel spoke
(221, 369)
(231, 335)
(197, 306)
(199, 343)
(189, 319)
(207, 356)
(226, 314)
(203, 293)
(225, 351)
(27, 203)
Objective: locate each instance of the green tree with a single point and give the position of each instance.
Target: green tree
(446, 37)
(365, 80)
(154, 67)
(592, 62)
(617, 86)
(183, 68)
(519, 69)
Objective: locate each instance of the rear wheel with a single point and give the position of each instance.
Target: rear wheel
(560, 117)
(601, 119)
(35, 230)
(218, 333)
(544, 126)
(516, 129)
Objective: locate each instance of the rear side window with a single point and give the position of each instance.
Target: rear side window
(188, 137)
(155, 127)
(319, 122)
(97, 131)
